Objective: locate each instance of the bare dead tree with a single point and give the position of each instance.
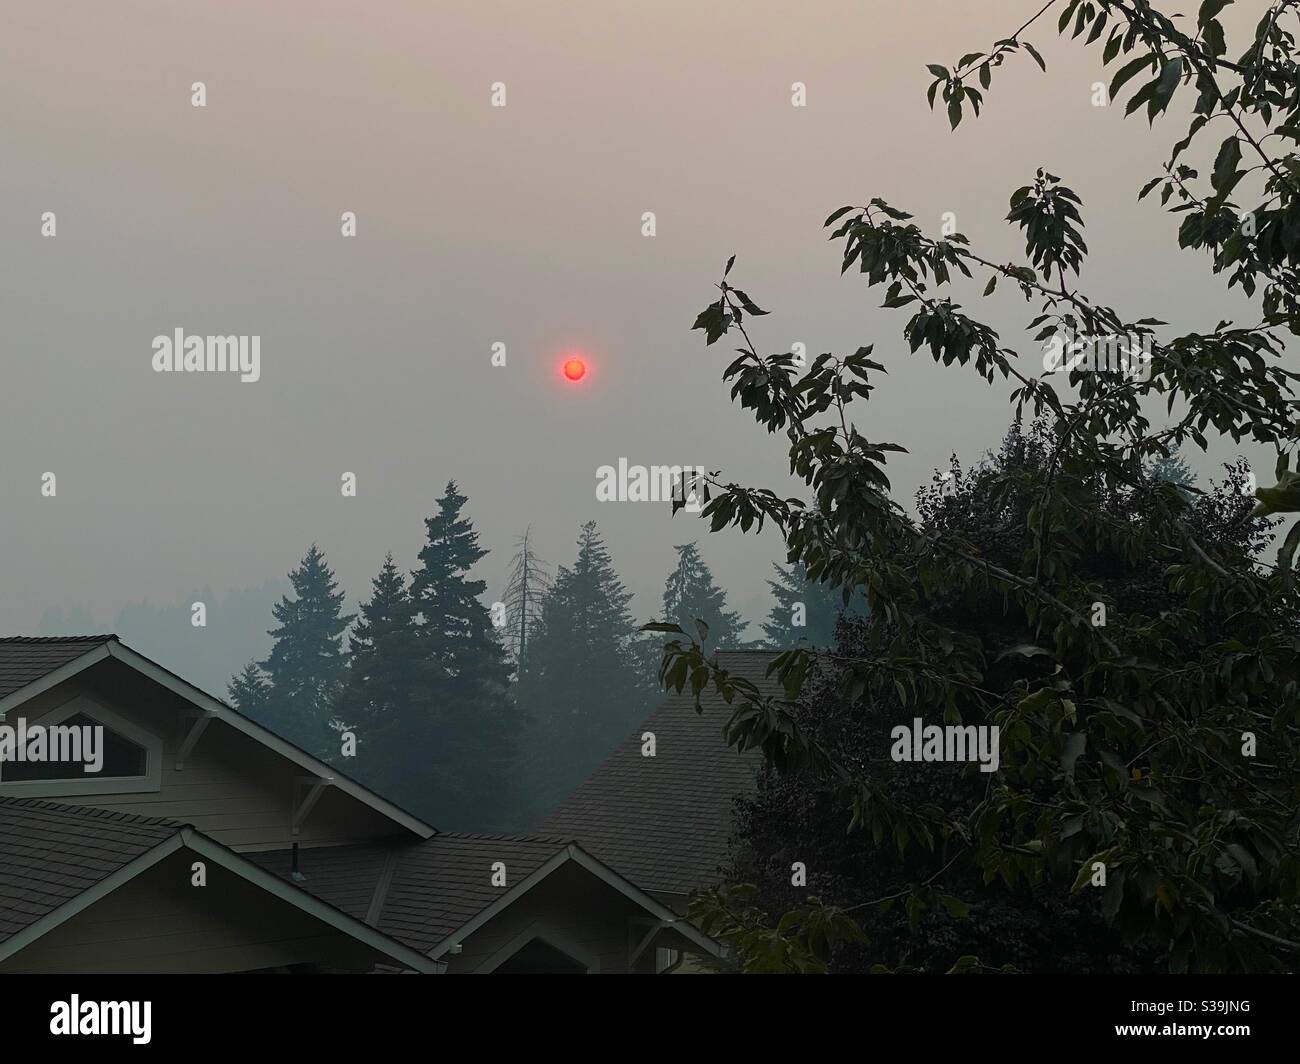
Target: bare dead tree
(529, 580)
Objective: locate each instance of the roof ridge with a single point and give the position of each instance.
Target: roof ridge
(102, 637)
(486, 837)
(89, 811)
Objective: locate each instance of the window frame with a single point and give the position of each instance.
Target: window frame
(89, 784)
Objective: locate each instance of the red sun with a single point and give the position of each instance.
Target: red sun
(575, 369)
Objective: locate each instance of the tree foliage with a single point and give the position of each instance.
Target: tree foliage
(818, 606)
(584, 689)
(690, 594)
(944, 909)
(1125, 744)
(381, 673)
(454, 758)
(305, 671)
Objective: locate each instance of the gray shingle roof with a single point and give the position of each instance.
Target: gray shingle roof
(434, 886)
(663, 822)
(50, 853)
(27, 658)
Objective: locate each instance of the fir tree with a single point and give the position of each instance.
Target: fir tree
(381, 661)
(805, 611)
(584, 689)
(306, 668)
(248, 691)
(458, 751)
(690, 595)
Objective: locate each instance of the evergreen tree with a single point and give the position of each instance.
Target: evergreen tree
(455, 755)
(248, 691)
(798, 599)
(381, 661)
(690, 595)
(1173, 469)
(584, 690)
(306, 668)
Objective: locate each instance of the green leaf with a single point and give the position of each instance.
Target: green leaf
(1112, 47)
(1170, 74)
(1127, 72)
(1209, 9)
(1037, 58)
(1141, 96)
(1098, 28)
(1225, 174)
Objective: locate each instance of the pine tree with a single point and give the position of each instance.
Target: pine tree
(306, 668)
(584, 690)
(381, 663)
(818, 606)
(458, 753)
(248, 691)
(690, 594)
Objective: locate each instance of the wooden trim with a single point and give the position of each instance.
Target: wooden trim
(91, 783)
(668, 920)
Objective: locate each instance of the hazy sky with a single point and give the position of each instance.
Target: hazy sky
(475, 225)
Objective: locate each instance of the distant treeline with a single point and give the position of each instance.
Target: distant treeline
(478, 715)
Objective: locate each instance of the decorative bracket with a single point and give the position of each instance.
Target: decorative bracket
(191, 739)
(304, 803)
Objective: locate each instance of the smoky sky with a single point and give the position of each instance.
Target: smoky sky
(476, 225)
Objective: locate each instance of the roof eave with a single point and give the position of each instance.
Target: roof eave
(575, 853)
(222, 712)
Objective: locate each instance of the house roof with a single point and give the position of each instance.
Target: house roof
(434, 893)
(664, 821)
(420, 892)
(27, 658)
(39, 663)
(51, 853)
(56, 860)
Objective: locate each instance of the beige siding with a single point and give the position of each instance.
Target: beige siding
(159, 922)
(231, 787)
